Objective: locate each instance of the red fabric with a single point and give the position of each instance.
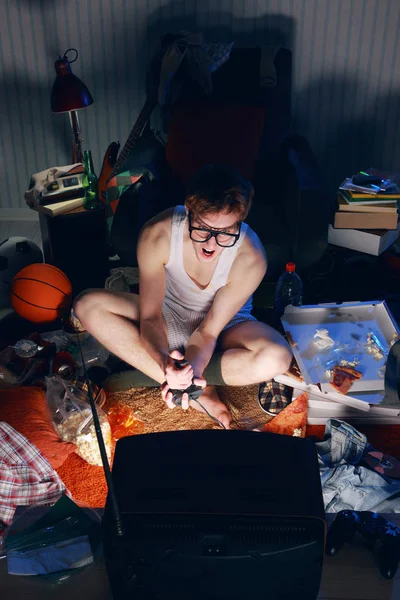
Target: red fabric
(25, 409)
(86, 483)
(206, 133)
(25, 476)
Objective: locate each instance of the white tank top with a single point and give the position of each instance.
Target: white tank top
(181, 291)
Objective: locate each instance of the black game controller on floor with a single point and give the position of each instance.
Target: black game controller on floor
(193, 391)
(372, 528)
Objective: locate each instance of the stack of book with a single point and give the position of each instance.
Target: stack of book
(366, 220)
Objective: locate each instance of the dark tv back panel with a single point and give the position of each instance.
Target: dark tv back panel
(223, 472)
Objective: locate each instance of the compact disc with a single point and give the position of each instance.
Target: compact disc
(384, 464)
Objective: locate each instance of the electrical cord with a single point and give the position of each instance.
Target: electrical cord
(192, 393)
(103, 453)
(209, 414)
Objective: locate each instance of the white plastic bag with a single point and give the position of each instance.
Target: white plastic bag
(73, 421)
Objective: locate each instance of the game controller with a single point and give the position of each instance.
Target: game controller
(193, 391)
(372, 528)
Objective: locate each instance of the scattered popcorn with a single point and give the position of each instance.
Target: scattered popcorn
(297, 432)
(374, 346)
(374, 351)
(349, 363)
(86, 441)
(394, 339)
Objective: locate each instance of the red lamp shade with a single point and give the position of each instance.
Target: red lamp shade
(68, 91)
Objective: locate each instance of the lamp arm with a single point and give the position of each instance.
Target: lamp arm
(77, 142)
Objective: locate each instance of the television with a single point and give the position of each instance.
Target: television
(227, 515)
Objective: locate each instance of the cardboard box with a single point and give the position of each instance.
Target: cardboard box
(357, 220)
(349, 325)
(321, 409)
(313, 389)
(373, 241)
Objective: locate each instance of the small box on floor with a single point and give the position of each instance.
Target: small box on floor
(358, 339)
(372, 241)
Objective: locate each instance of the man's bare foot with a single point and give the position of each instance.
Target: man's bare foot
(209, 399)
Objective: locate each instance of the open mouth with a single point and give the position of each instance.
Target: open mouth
(207, 253)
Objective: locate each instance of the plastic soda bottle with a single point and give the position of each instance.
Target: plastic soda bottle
(289, 289)
(89, 181)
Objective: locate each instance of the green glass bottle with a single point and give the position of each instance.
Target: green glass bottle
(89, 181)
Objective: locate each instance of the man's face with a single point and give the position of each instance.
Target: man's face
(226, 222)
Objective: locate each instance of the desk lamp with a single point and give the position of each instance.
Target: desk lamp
(69, 94)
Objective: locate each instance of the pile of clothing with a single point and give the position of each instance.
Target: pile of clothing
(348, 482)
(26, 477)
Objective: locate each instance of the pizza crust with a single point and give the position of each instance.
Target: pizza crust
(291, 419)
(290, 339)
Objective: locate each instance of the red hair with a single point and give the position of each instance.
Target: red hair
(219, 188)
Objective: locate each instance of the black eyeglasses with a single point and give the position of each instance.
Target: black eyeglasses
(202, 234)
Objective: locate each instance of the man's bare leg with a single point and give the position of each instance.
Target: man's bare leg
(252, 352)
(211, 402)
(113, 319)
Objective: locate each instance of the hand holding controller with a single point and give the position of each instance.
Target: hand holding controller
(373, 528)
(193, 391)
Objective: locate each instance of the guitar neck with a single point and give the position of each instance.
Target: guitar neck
(133, 136)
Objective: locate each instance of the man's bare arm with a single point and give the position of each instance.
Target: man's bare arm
(152, 255)
(246, 275)
(199, 351)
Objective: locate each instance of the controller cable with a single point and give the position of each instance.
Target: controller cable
(206, 411)
(193, 393)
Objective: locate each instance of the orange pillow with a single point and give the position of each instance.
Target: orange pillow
(209, 132)
(25, 409)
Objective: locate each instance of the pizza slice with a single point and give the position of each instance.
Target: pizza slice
(292, 420)
(343, 378)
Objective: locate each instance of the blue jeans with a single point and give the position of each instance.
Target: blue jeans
(345, 483)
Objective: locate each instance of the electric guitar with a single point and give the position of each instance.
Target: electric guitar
(112, 164)
(137, 130)
(108, 162)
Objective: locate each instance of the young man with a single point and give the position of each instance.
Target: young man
(199, 265)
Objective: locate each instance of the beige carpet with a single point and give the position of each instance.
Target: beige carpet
(87, 483)
(150, 408)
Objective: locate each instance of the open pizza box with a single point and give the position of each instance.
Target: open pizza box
(357, 335)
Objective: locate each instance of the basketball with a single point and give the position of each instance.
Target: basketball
(41, 293)
(15, 254)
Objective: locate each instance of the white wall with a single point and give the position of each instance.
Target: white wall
(346, 95)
